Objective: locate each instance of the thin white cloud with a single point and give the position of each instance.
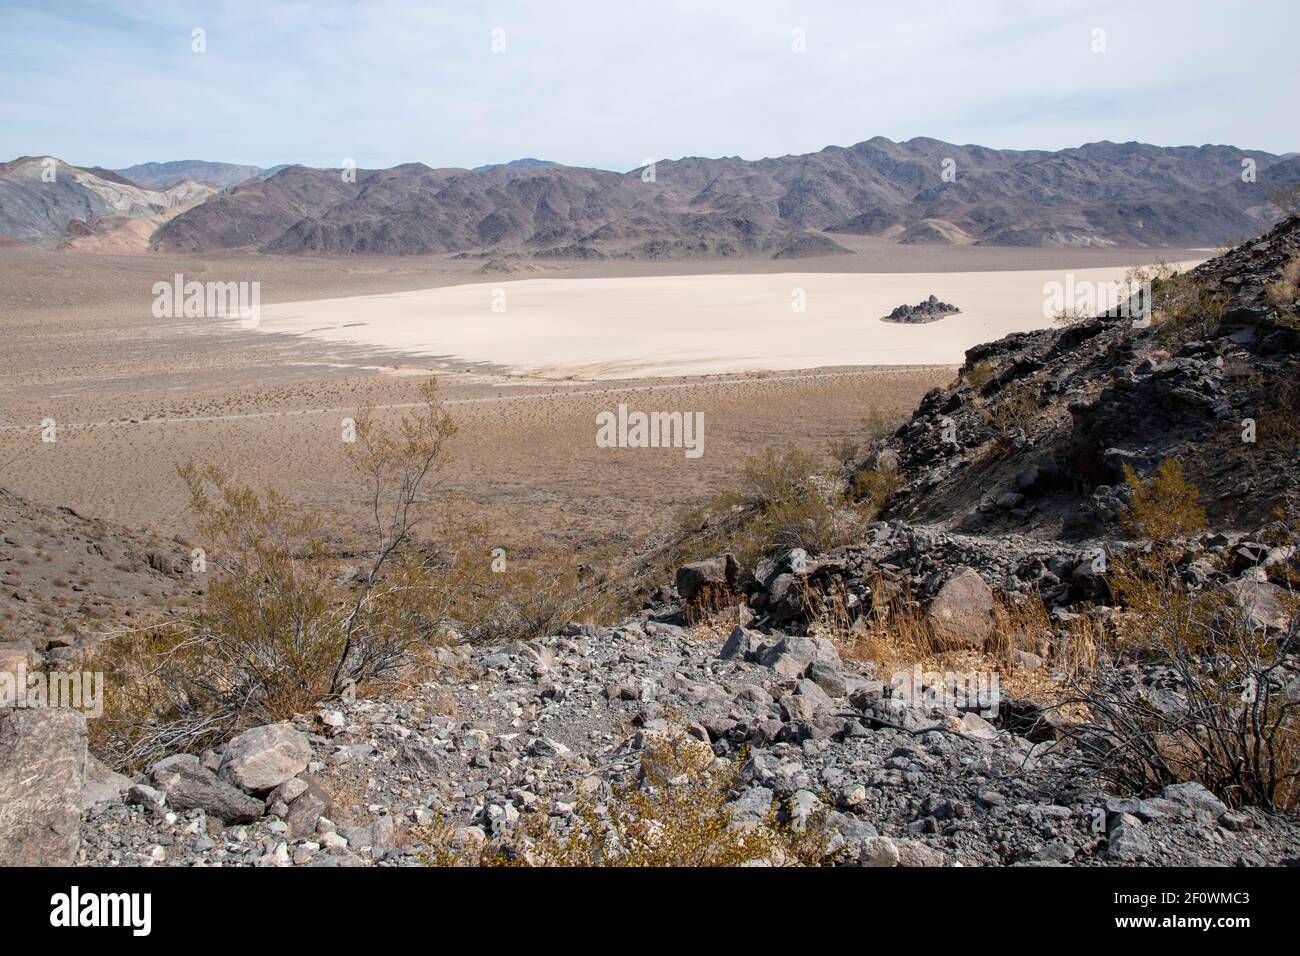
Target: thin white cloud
(609, 85)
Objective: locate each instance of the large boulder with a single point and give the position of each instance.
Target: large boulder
(42, 773)
(261, 759)
(719, 572)
(191, 786)
(961, 613)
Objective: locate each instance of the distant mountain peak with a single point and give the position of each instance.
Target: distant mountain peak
(527, 162)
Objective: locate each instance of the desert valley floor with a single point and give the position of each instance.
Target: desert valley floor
(132, 396)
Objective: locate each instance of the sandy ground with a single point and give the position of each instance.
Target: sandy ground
(599, 328)
(133, 396)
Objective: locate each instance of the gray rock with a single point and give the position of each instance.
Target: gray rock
(42, 774)
(742, 644)
(915, 853)
(1126, 841)
(261, 759)
(718, 572)
(102, 784)
(1195, 797)
(752, 806)
(828, 678)
(191, 786)
(792, 656)
(961, 613)
(879, 851)
(143, 795)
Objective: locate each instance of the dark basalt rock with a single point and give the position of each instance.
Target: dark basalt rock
(927, 310)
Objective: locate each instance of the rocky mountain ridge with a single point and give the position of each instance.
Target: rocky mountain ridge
(1100, 194)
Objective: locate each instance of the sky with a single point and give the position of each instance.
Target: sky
(613, 85)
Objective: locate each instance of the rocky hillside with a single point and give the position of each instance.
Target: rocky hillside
(793, 679)
(63, 575)
(34, 210)
(1099, 194)
(1034, 435)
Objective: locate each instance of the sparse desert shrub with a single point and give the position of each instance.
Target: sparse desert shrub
(1013, 414)
(774, 474)
(810, 515)
(1163, 506)
(782, 504)
(981, 374)
(673, 816)
(277, 630)
(1066, 317)
(1222, 714)
(876, 486)
(1183, 310)
(845, 451)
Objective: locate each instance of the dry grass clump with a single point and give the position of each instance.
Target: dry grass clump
(896, 636)
(980, 375)
(712, 607)
(1284, 294)
(675, 815)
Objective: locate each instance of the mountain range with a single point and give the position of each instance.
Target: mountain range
(918, 191)
(43, 199)
(220, 175)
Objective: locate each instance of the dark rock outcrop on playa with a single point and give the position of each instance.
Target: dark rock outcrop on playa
(927, 310)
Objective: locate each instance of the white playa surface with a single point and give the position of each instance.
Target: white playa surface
(685, 325)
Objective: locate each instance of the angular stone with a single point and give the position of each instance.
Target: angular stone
(306, 809)
(191, 786)
(719, 572)
(1195, 797)
(741, 644)
(914, 853)
(878, 851)
(1260, 602)
(828, 678)
(792, 656)
(102, 784)
(961, 614)
(1126, 841)
(261, 759)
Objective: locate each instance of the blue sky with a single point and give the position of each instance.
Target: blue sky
(613, 84)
